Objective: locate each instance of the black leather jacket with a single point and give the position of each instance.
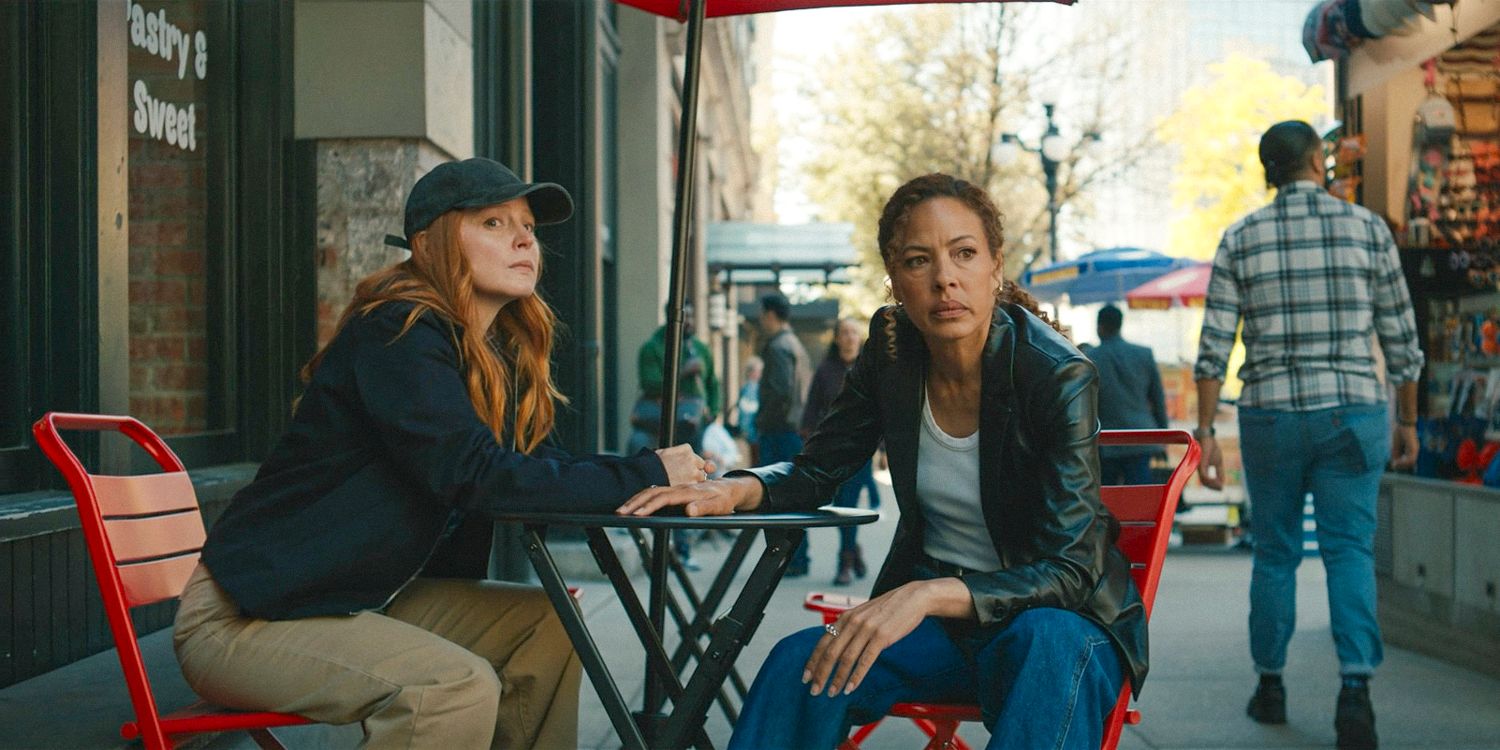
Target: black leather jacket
(1039, 473)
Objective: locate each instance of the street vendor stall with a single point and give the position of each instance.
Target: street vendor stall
(1420, 145)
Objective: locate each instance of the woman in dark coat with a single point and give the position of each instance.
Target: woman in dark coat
(827, 381)
(342, 583)
(1003, 586)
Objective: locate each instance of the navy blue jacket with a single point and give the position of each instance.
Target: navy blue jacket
(386, 459)
(1130, 392)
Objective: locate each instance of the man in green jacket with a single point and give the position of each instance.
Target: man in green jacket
(697, 386)
(697, 398)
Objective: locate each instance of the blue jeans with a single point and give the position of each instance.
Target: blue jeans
(777, 446)
(848, 497)
(1048, 679)
(1337, 455)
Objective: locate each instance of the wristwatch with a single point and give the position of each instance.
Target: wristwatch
(1200, 433)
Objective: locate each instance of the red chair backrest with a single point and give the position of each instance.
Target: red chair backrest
(143, 533)
(1145, 511)
(1145, 514)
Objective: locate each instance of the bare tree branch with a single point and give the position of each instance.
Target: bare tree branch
(934, 89)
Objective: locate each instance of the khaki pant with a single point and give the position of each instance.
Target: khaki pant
(451, 664)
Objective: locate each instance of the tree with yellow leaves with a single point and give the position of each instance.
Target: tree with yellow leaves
(1217, 130)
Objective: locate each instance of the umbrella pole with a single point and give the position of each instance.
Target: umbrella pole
(687, 153)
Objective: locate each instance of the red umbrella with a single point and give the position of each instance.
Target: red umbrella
(1185, 287)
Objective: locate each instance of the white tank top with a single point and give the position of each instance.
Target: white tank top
(948, 491)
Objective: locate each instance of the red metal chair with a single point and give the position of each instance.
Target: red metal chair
(1145, 513)
(143, 534)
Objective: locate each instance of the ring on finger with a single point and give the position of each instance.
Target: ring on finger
(832, 629)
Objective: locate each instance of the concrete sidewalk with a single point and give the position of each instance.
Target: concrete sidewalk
(1195, 697)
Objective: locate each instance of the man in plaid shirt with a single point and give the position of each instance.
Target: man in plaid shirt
(1315, 281)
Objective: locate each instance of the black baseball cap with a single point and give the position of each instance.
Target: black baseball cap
(473, 183)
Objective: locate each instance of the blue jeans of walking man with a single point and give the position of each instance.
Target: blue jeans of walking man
(1047, 679)
(1337, 455)
(1124, 470)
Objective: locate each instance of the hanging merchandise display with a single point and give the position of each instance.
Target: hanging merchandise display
(1381, 18)
(1326, 34)
(1447, 221)
(1348, 152)
(1431, 144)
(1335, 27)
(1426, 99)
(1453, 227)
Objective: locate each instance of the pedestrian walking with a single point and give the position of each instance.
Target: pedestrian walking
(697, 402)
(1130, 398)
(783, 393)
(1313, 279)
(848, 336)
(748, 405)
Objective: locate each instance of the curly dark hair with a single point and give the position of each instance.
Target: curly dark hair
(919, 190)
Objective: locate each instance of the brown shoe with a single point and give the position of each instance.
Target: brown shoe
(845, 568)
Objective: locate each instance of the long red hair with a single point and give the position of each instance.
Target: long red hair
(437, 278)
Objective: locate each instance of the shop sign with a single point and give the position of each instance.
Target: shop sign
(157, 118)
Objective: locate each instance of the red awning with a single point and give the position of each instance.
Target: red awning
(1185, 287)
(678, 8)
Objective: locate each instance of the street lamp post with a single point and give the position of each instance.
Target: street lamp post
(1053, 150)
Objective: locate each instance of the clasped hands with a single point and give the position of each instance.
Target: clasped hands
(690, 487)
(839, 662)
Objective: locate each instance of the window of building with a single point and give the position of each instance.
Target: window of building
(14, 269)
(180, 99)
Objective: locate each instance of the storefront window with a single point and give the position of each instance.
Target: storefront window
(179, 346)
(14, 379)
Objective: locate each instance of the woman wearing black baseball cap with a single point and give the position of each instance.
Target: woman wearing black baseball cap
(345, 583)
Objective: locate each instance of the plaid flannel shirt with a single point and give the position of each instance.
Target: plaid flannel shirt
(1314, 279)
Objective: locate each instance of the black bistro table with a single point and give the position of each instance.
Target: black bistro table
(727, 635)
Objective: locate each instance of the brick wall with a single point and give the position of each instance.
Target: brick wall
(169, 282)
(362, 187)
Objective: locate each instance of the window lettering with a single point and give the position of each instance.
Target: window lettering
(157, 35)
(165, 121)
(162, 120)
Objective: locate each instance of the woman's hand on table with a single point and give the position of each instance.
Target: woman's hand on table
(716, 497)
(683, 466)
(865, 631)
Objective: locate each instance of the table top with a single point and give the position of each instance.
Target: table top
(822, 517)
